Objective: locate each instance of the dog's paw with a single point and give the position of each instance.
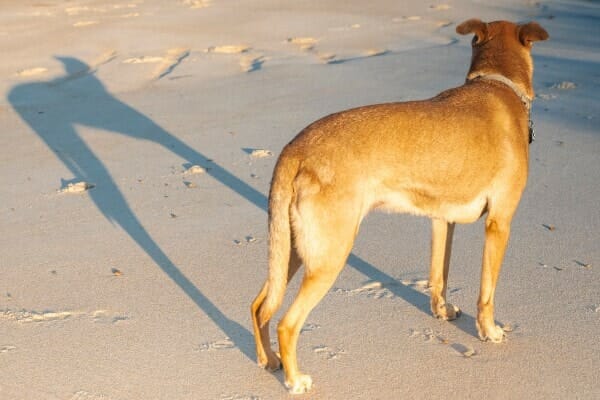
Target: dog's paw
(299, 384)
(491, 332)
(270, 363)
(447, 312)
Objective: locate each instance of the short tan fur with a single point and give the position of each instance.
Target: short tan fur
(453, 158)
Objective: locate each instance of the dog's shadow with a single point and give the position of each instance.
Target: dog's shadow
(465, 322)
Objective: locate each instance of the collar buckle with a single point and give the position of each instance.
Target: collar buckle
(531, 131)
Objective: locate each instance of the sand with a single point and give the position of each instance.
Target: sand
(138, 141)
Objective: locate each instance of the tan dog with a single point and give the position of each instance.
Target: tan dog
(452, 158)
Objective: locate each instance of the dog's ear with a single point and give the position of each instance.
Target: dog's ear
(531, 32)
(476, 26)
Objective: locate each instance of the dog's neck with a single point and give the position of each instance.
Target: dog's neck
(525, 99)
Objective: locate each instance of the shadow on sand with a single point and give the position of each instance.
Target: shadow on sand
(79, 98)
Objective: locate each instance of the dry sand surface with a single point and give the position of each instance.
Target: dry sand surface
(138, 140)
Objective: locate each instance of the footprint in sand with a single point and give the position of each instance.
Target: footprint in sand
(83, 395)
(128, 5)
(80, 10)
(428, 335)
(546, 96)
(407, 18)
(310, 327)
(173, 58)
(223, 344)
(431, 336)
(107, 317)
(304, 43)
(27, 316)
(251, 63)
(104, 58)
(328, 352)
(7, 348)
(143, 60)
(228, 49)
(167, 63)
(464, 350)
(77, 187)
(375, 52)
(76, 10)
(421, 285)
(378, 290)
(239, 397)
(81, 24)
(565, 85)
(33, 316)
(247, 240)
(326, 58)
(509, 327)
(374, 289)
(194, 170)
(344, 28)
(25, 73)
(330, 58)
(439, 7)
(259, 153)
(196, 3)
(582, 264)
(124, 6)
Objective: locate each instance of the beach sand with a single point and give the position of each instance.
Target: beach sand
(138, 141)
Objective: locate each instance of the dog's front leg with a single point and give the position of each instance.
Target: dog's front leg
(441, 245)
(497, 231)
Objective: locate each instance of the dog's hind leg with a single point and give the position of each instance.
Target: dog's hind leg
(497, 230)
(265, 356)
(324, 239)
(313, 288)
(441, 245)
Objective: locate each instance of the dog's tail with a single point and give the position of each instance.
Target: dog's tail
(280, 235)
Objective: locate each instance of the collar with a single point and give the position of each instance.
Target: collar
(525, 99)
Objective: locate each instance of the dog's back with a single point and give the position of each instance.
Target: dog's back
(416, 156)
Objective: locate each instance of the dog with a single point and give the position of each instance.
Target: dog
(453, 158)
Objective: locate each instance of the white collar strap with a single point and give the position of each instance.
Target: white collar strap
(526, 100)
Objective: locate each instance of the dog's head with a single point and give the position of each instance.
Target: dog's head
(503, 47)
